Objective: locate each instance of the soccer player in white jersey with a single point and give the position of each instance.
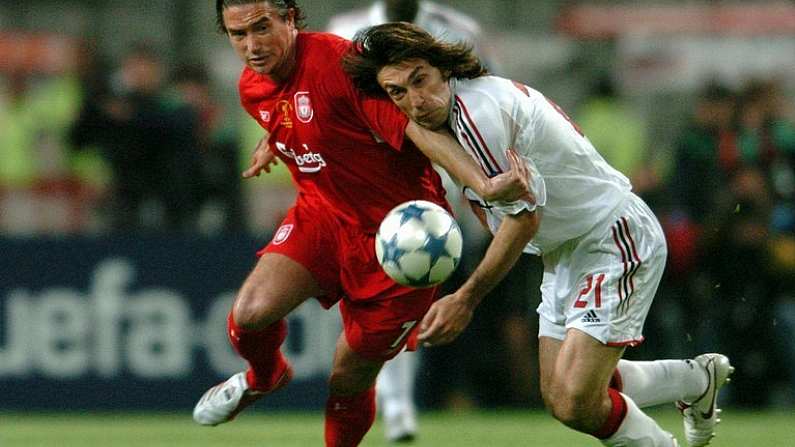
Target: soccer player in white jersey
(603, 249)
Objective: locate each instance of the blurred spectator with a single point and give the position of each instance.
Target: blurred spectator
(619, 133)
(767, 142)
(733, 163)
(37, 193)
(17, 163)
(707, 151)
(150, 148)
(218, 146)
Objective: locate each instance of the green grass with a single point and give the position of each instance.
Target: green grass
(476, 429)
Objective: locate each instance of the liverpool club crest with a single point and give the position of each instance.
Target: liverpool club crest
(303, 107)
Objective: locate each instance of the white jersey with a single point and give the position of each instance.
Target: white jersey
(442, 22)
(575, 189)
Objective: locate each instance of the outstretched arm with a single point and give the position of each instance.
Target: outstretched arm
(262, 159)
(444, 150)
(450, 315)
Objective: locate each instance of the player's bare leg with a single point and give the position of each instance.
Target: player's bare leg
(575, 374)
(350, 408)
(275, 287)
(256, 329)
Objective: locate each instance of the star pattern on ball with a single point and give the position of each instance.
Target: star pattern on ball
(391, 251)
(436, 247)
(412, 212)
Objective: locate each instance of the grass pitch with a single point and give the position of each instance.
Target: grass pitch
(446, 429)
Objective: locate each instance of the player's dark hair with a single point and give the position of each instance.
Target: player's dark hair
(393, 43)
(282, 5)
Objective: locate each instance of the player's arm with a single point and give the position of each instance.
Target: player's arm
(449, 316)
(444, 150)
(262, 159)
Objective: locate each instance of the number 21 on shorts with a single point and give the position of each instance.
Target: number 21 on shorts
(594, 286)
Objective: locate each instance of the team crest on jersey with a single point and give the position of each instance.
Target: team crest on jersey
(282, 234)
(265, 116)
(303, 107)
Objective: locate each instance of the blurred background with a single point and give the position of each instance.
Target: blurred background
(125, 228)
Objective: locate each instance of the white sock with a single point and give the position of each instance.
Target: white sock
(638, 430)
(395, 394)
(661, 381)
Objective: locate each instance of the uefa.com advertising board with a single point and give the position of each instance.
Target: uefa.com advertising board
(137, 323)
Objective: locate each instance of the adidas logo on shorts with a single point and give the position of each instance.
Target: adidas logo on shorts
(591, 317)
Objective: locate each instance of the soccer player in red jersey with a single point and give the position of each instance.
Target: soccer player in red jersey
(351, 164)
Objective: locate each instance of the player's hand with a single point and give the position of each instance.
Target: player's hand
(446, 319)
(512, 185)
(262, 160)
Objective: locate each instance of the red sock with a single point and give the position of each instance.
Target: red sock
(261, 349)
(348, 418)
(616, 416)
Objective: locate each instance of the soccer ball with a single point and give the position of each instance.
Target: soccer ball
(418, 244)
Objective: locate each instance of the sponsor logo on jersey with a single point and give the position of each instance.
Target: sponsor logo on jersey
(265, 116)
(282, 234)
(308, 162)
(286, 108)
(303, 107)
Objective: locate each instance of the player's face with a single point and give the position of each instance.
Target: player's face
(419, 90)
(261, 38)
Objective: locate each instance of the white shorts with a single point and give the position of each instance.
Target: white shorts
(603, 282)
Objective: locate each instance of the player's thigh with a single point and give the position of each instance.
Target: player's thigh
(584, 365)
(276, 286)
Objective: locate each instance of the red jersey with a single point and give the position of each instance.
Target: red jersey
(346, 151)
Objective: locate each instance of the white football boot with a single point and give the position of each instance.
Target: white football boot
(401, 427)
(224, 401)
(701, 415)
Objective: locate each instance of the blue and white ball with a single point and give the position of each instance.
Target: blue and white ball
(418, 244)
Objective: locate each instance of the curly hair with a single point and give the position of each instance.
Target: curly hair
(282, 5)
(393, 43)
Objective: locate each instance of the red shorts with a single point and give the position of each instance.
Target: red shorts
(379, 315)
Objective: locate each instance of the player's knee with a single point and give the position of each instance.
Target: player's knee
(349, 379)
(251, 310)
(574, 407)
